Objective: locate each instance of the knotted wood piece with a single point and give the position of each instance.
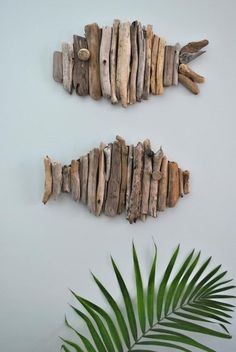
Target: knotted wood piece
(188, 83)
(160, 66)
(105, 62)
(92, 180)
(186, 71)
(75, 180)
(81, 67)
(66, 179)
(57, 67)
(134, 61)
(146, 181)
(113, 59)
(173, 184)
(123, 63)
(67, 66)
(48, 179)
(169, 65)
(84, 168)
(154, 64)
(56, 179)
(141, 61)
(155, 179)
(93, 36)
(148, 60)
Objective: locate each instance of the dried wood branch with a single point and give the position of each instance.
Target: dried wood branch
(48, 179)
(194, 47)
(81, 67)
(185, 58)
(188, 83)
(134, 61)
(156, 176)
(124, 169)
(154, 64)
(186, 71)
(92, 180)
(66, 179)
(141, 61)
(176, 64)
(105, 62)
(67, 65)
(56, 179)
(75, 180)
(169, 65)
(129, 177)
(162, 194)
(181, 183)
(160, 66)
(113, 59)
(84, 168)
(101, 180)
(149, 40)
(146, 181)
(186, 176)
(57, 66)
(173, 184)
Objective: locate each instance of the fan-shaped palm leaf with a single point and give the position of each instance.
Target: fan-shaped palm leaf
(183, 305)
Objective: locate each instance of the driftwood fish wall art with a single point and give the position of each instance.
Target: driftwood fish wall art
(117, 177)
(125, 62)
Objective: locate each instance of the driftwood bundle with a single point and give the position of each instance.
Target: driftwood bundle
(117, 177)
(125, 62)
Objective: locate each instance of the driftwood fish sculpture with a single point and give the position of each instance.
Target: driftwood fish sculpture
(125, 62)
(117, 177)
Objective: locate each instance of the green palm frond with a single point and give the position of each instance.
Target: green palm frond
(167, 315)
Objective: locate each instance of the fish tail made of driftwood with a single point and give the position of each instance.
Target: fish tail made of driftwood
(125, 62)
(116, 177)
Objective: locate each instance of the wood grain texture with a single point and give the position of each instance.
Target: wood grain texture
(189, 84)
(134, 61)
(56, 179)
(124, 169)
(113, 190)
(169, 65)
(129, 177)
(176, 65)
(48, 179)
(67, 66)
(148, 60)
(81, 67)
(173, 184)
(57, 67)
(75, 180)
(113, 59)
(66, 179)
(185, 58)
(154, 64)
(92, 180)
(141, 61)
(155, 178)
(84, 168)
(162, 194)
(93, 36)
(107, 154)
(105, 62)
(186, 186)
(181, 183)
(160, 66)
(101, 180)
(146, 181)
(186, 71)
(194, 47)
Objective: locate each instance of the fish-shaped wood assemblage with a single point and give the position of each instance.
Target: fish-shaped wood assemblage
(116, 177)
(125, 62)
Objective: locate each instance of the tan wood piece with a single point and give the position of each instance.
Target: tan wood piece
(67, 66)
(48, 179)
(105, 62)
(75, 180)
(57, 66)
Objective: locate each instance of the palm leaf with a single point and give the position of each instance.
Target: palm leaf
(184, 306)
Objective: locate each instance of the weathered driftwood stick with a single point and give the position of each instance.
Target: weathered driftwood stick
(156, 176)
(67, 65)
(105, 62)
(75, 181)
(149, 40)
(56, 179)
(48, 179)
(194, 47)
(146, 181)
(113, 59)
(185, 58)
(93, 35)
(101, 180)
(154, 64)
(129, 177)
(169, 65)
(92, 180)
(134, 62)
(162, 194)
(123, 63)
(186, 71)
(66, 179)
(107, 154)
(173, 184)
(124, 168)
(136, 192)
(188, 83)
(84, 168)
(160, 67)
(186, 176)
(176, 64)
(141, 61)
(57, 66)
(113, 191)
(81, 67)
(181, 183)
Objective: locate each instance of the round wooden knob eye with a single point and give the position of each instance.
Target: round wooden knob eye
(84, 54)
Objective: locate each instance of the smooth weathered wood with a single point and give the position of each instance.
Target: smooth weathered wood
(136, 192)
(173, 184)
(107, 154)
(160, 66)
(146, 181)
(129, 177)
(66, 179)
(56, 179)
(148, 60)
(123, 63)
(194, 47)
(169, 65)
(185, 58)
(105, 62)
(113, 60)
(155, 177)
(81, 68)
(101, 180)
(188, 83)
(124, 169)
(84, 168)
(67, 65)
(176, 64)
(186, 71)
(93, 36)
(92, 180)
(186, 176)
(154, 64)
(48, 179)
(57, 66)
(83, 54)
(75, 180)
(162, 193)
(113, 190)
(181, 183)
(141, 61)
(134, 62)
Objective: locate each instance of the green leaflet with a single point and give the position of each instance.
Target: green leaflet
(164, 344)
(85, 341)
(162, 288)
(210, 310)
(65, 349)
(209, 284)
(72, 344)
(213, 287)
(203, 313)
(139, 291)
(150, 290)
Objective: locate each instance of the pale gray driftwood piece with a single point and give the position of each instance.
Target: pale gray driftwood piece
(105, 62)
(84, 168)
(148, 60)
(129, 177)
(173, 184)
(176, 65)
(146, 181)
(160, 66)
(92, 180)
(66, 179)
(113, 59)
(162, 193)
(75, 180)
(67, 65)
(141, 61)
(194, 47)
(185, 58)
(169, 65)
(57, 66)
(124, 168)
(134, 61)
(154, 64)
(56, 179)
(107, 154)
(48, 179)
(156, 176)
(101, 180)
(81, 67)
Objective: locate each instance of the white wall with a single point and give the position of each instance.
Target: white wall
(44, 250)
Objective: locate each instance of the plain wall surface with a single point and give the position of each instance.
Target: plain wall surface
(44, 250)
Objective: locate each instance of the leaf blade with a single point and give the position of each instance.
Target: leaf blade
(150, 290)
